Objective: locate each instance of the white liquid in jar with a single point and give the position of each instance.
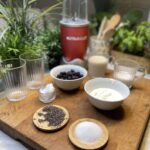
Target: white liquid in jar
(97, 65)
(106, 94)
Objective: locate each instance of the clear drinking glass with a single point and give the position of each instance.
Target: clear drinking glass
(14, 79)
(98, 57)
(35, 70)
(99, 46)
(127, 70)
(97, 65)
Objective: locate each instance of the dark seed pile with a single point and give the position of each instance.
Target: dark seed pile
(69, 75)
(54, 116)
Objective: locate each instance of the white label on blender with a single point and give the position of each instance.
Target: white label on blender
(72, 38)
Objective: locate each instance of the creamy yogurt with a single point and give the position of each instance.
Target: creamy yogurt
(106, 94)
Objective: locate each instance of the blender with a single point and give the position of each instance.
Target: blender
(74, 31)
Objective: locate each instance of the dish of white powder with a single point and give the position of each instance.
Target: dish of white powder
(88, 132)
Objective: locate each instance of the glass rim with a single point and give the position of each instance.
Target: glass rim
(14, 59)
(40, 57)
(106, 55)
(99, 41)
(126, 60)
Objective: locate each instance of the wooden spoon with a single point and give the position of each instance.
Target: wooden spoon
(108, 34)
(102, 27)
(112, 23)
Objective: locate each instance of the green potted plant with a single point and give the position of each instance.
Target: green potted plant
(22, 27)
(132, 40)
(50, 37)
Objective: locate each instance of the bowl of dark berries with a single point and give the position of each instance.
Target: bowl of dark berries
(68, 77)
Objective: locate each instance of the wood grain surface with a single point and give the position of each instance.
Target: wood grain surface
(125, 124)
(97, 144)
(44, 125)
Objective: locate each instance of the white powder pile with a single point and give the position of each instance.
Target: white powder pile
(47, 89)
(88, 132)
(47, 93)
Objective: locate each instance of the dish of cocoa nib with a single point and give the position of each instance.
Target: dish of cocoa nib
(69, 75)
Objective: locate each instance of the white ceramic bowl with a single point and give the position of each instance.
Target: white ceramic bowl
(68, 84)
(106, 83)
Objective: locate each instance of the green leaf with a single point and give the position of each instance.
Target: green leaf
(31, 1)
(133, 16)
(3, 33)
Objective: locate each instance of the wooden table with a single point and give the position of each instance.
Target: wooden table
(126, 124)
(145, 145)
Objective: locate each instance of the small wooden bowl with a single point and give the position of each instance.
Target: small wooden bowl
(95, 145)
(44, 125)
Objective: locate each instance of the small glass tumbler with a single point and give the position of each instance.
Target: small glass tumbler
(127, 71)
(97, 65)
(99, 46)
(35, 70)
(14, 79)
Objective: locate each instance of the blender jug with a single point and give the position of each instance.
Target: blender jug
(74, 29)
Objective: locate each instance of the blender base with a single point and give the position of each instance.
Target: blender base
(76, 61)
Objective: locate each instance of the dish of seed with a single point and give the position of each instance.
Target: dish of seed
(50, 118)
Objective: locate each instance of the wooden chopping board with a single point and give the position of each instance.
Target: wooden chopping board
(126, 124)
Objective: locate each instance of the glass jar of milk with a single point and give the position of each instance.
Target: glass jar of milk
(97, 65)
(98, 57)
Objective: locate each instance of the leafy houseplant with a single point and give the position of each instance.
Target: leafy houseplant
(132, 36)
(51, 40)
(132, 40)
(20, 32)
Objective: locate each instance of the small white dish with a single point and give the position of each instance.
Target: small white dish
(110, 84)
(68, 84)
(47, 93)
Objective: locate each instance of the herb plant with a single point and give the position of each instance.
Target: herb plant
(96, 21)
(133, 17)
(132, 40)
(20, 32)
(51, 40)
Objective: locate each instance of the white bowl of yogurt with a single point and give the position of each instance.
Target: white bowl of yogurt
(106, 93)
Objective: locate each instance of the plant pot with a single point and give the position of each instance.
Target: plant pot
(143, 61)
